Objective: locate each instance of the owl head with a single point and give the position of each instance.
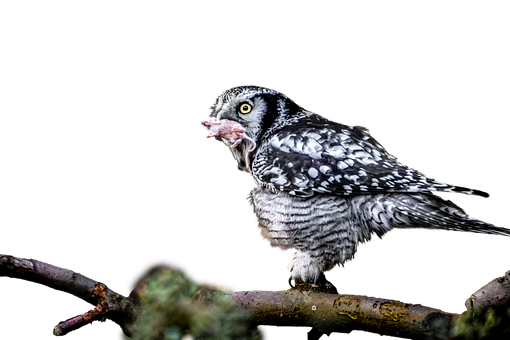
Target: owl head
(259, 110)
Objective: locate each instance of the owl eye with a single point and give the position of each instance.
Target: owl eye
(245, 108)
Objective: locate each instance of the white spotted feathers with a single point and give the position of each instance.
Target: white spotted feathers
(317, 155)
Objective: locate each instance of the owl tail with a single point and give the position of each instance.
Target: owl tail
(420, 211)
(433, 212)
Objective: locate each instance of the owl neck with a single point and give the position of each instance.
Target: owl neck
(281, 112)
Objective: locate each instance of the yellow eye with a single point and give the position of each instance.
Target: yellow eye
(245, 108)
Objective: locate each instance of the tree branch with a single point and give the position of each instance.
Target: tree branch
(339, 313)
(494, 295)
(487, 309)
(109, 304)
(328, 313)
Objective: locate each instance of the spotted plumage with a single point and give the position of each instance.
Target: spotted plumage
(323, 187)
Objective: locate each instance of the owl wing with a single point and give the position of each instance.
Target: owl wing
(317, 155)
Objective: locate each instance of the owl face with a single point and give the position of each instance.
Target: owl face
(255, 108)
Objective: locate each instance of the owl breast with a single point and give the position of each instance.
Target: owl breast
(318, 225)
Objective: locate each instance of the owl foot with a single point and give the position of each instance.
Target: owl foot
(326, 287)
(302, 267)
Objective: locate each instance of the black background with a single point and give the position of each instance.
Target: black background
(106, 166)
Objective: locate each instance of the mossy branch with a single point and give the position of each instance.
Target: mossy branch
(287, 307)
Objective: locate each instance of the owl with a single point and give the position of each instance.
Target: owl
(324, 187)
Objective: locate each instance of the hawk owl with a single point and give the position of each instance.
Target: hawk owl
(323, 187)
